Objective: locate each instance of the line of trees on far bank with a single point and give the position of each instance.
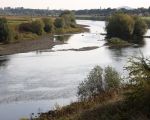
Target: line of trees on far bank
(39, 26)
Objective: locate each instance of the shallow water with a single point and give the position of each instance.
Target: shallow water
(36, 81)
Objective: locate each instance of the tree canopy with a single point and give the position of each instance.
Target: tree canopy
(5, 33)
(125, 26)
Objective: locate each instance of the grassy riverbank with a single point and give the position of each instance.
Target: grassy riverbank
(25, 39)
(107, 106)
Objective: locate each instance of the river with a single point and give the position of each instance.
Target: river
(40, 80)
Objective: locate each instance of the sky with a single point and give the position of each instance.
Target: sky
(74, 4)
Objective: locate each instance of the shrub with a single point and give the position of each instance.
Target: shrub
(140, 27)
(37, 27)
(117, 42)
(5, 32)
(92, 85)
(48, 25)
(112, 78)
(139, 80)
(25, 27)
(120, 25)
(34, 27)
(59, 23)
(125, 26)
(69, 19)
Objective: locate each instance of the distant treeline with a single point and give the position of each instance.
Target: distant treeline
(96, 12)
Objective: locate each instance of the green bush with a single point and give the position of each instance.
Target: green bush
(69, 19)
(59, 23)
(120, 25)
(112, 78)
(140, 27)
(37, 27)
(125, 26)
(25, 27)
(94, 84)
(48, 25)
(117, 42)
(147, 21)
(139, 80)
(5, 32)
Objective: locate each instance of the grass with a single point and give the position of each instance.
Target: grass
(107, 106)
(117, 42)
(72, 111)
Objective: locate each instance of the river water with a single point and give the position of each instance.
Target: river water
(38, 81)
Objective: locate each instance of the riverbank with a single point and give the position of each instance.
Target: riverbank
(28, 45)
(107, 106)
(43, 42)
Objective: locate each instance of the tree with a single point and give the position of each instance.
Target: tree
(59, 23)
(92, 85)
(125, 27)
(140, 27)
(69, 19)
(96, 84)
(139, 82)
(5, 33)
(120, 25)
(111, 78)
(48, 25)
(25, 27)
(37, 27)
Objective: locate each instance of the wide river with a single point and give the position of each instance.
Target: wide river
(38, 81)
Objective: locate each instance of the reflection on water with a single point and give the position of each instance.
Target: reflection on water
(63, 38)
(40, 79)
(3, 61)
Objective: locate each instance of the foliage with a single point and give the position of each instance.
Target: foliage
(112, 78)
(140, 27)
(25, 27)
(94, 84)
(37, 27)
(59, 23)
(69, 19)
(139, 79)
(48, 25)
(34, 27)
(120, 25)
(117, 42)
(125, 26)
(5, 32)
(147, 21)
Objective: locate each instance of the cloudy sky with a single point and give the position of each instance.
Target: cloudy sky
(74, 4)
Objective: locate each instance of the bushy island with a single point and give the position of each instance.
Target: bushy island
(12, 30)
(124, 30)
(106, 95)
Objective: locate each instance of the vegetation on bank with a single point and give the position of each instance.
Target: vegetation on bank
(105, 95)
(147, 20)
(125, 27)
(117, 42)
(22, 29)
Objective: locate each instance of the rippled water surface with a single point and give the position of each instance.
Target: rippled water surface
(37, 81)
